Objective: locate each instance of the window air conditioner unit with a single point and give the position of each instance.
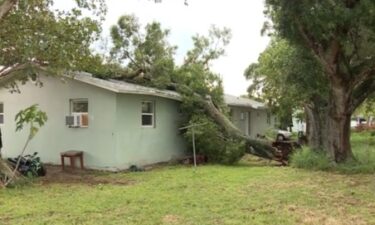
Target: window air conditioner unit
(75, 120)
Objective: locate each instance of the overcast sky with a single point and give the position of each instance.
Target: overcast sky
(244, 17)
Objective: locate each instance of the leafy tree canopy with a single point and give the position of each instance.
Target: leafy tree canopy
(287, 78)
(35, 37)
(146, 55)
(340, 35)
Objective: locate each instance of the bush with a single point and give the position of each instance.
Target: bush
(363, 146)
(211, 142)
(309, 159)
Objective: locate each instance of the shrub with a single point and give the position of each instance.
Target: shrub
(363, 146)
(211, 142)
(309, 159)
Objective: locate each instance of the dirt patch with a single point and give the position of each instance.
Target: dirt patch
(171, 219)
(319, 217)
(77, 176)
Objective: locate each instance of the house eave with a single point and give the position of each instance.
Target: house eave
(248, 106)
(124, 87)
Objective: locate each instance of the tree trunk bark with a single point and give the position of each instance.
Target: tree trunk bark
(5, 7)
(338, 123)
(316, 128)
(338, 139)
(5, 173)
(313, 128)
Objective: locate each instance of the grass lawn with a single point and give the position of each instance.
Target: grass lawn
(249, 193)
(209, 195)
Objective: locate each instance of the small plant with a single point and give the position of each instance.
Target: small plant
(35, 119)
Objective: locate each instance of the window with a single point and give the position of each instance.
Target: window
(242, 116)
(1, 113)
(80, 110)
(148, 114)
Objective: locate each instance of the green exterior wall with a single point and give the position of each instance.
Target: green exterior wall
(114, 138)
(253, 122)
(145, 145)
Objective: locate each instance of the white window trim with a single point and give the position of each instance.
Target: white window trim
(149, 114)
(74, 100)
(242, 116)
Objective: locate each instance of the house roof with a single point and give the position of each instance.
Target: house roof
(124, 87)
(130, 88)
(243, 102)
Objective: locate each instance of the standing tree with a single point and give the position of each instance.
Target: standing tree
(35, 37)
(340, 35)
(290, 78)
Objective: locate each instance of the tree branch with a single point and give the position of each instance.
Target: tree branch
(329, 64)
(6, 6)
(7, 70)
(362, 92)
(6, 73)
(363, 77)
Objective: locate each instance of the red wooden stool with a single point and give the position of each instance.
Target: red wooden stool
(72, 155)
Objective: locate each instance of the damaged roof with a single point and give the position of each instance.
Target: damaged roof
(243, 102)
(118, 86)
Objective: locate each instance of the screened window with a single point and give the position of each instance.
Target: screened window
(1, 113)
(80, 109)
(148, 114)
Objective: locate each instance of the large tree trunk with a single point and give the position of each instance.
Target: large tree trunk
(329, 126)
(336, 139)
(338, 123)
(255, 147)
(313, 127)
(258, 148)
(316, 127)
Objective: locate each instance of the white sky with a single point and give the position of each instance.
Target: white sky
(244, 17)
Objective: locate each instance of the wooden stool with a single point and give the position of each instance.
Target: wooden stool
(72, 154)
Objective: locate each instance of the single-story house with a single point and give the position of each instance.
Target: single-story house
(116, 124)
(250, 116)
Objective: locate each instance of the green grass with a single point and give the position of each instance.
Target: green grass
(243, 194)
(363, 147)
(252, 192)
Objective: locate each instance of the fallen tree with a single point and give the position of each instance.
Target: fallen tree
(255, 147)
(149, 61)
